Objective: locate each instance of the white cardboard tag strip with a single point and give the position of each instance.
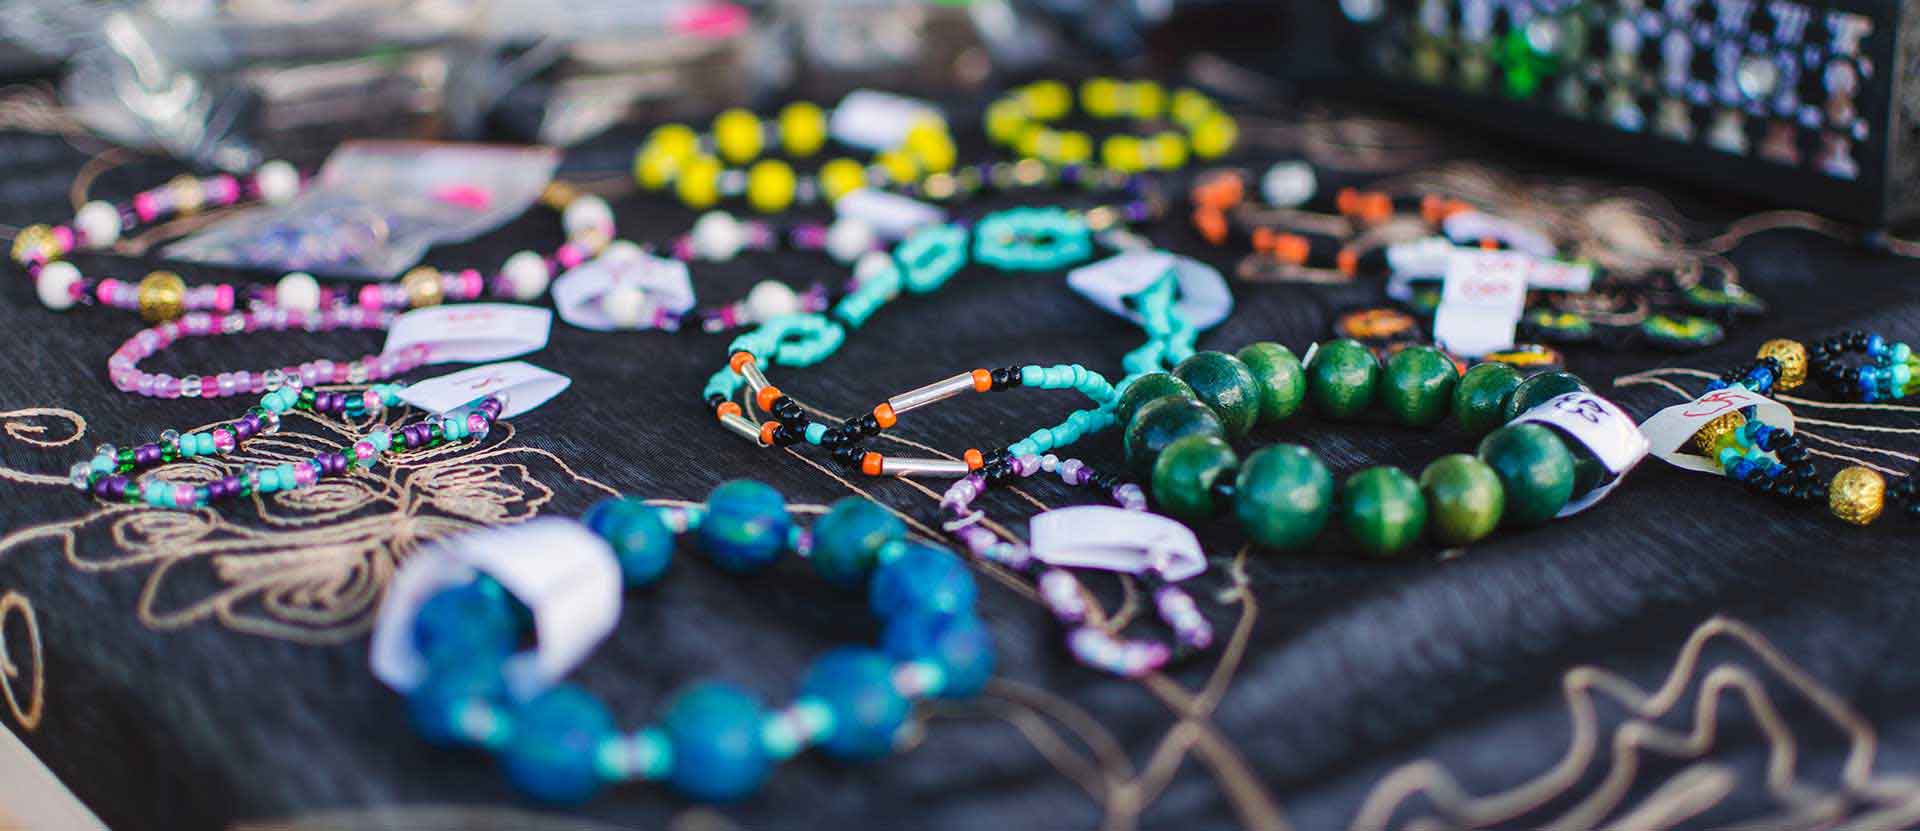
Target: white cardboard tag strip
(522, 385)
(1669, 430)
(876, 121)
(472, 332)
(890, 215)
(664, 282)
(1204, 299)
(1599, 425)
(1470, 227)
(565, 575)
(1481, 301)
(1115, 539)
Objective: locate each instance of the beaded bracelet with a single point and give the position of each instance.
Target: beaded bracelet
(715, 742)
(1022, 121)
(1887, 376)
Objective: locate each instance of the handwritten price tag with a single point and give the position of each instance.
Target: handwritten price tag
(472, 332)
(1600, 426)
(522, 385)
(1481, 301)
(1669, 430)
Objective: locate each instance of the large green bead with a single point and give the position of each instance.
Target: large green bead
(1283, 496)
(1540, 389)
(1183, 477)
(1163, 421)
(1383, 510)
(1535, 471)
(847, 541)
(1418, 385)
(1225, 384)
(1342, 378)
(1464, 499)
(1283, 382)
(1480, 399)
(1146, 388)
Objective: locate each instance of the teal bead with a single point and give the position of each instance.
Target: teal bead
(475, 619)
(1342, 379)
(1163, 421)
(1540, 389)
(1225, 385)
(1283, 382)
(1383, 510)
(1417, 387)
(923, 578)
(1185, 473)
(641, 540)
(553, 752)
(452, 685)
(714, 729)
(1480, 399)
(1283, 496)
(746, 525)
(856, 685)
(958, 643)
(1464, 499)
(1535, 471)
(847, 541)
(1146, 388)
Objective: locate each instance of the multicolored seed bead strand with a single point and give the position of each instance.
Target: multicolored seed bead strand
(123, 368)
(1888, 375)
(1023, 120)
(716, 742)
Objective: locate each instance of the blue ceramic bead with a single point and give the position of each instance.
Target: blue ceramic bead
(641, 540)
(847, 540)
(923, 578)
(448, 688)
(715, 732)
(959, 644)
(476, 619)
(556, 741)
(857, 686)
(746, 525)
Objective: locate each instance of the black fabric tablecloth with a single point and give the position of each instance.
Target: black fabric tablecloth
(1683, 655)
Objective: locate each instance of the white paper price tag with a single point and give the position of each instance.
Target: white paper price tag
(1481, 301)
(1669, 430)
(1560, 275)
(1204, 298)
(521, 385)
(1600, 426)
(1470, 227)
(663, 282)
(564, 574)
(1114, 539)
(471, 332)
(876, 121)
(1421, 258)
(891, 215)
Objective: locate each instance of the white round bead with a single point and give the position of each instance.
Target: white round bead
(279, 182)
(55, 285)
(297, 291)
(99, 223)
(770, 299)
(1288, 184)
(625, 305)
(871, 265)
(718, 236)
(849, 239)
(526, 274)
(589, 218)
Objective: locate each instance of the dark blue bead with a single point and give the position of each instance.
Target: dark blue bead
(959, 644)
(556, 742)
(1716, 384)
(746, 525)
(473, 619)
(448, 689)
(714, 729)
(847, 541)
(1876, 345)
(640, 538)
(857, 686)
(923, 578)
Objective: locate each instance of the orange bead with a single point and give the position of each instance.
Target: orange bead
(766, 396)
(1264, 239)
(883, 415)
(1454, 206)
(1348, 261)
(1347, 201)
(727, 408)
(739, 360)
(870, 464)
(982, 380)
(974, 460)
(1376, 208)
(1220, 191)
(1292, 249)
(1489, 244)
(1432, 209)
(1211, 223)
(766, 432)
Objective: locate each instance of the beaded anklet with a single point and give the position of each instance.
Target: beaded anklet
(715, 742)
(1021, 120)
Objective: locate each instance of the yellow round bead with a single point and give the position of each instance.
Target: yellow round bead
(1857, 495)
(803, 128)
(1102, 97)
(899, 166)
(931, 145)
(1046, 100)
(698, 184)
(737, 135)
(1215, 136)
(1792, 356)
(162, 296)
(1006, 121)
(1147, 99)
(676, 140)
(34, 242)
(1169, 151)
(423, 287)
(841, 177)
(654, 168)
(1190, 107)
(1707, 440)
(770, 186)
(1034, 141)
(1123, 153)
(1074, 147)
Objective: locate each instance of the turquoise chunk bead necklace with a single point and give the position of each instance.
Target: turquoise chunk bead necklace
(715, 742)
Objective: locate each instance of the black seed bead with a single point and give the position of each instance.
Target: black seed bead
(787, 409)
(848, 455)
(1013, 376)
(868, 425)
(715, 400)
(1001, 379)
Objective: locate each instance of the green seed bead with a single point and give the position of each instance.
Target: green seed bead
(1418, 385)
(1225, 384)
(1383, 510)
(1147, 388)
(1342, 378)
(1480, 399)
(1283, 496)
(1163, 421)
(1540, 389)
(1464, 499)
(1184, 476)
(1283, 382)
(1535, 471)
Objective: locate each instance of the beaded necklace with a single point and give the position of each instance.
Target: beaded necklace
(1023, 120)
(715, 742)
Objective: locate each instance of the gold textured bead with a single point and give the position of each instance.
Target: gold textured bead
(1707, 438)
(1857, 495)
(162, 296)
(423, 287)
(1792, 356)
(31, 241)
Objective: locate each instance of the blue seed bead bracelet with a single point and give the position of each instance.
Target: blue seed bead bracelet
(716, 742)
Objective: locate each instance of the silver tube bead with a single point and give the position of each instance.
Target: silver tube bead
(756, 380)
(740, 425)
(936, 391)
(942, 468)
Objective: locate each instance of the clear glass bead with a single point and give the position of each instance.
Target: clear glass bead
(190, 387)
(169, 436)
(275, 379)
(77, 475)
(269, 423)
(107, 450)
